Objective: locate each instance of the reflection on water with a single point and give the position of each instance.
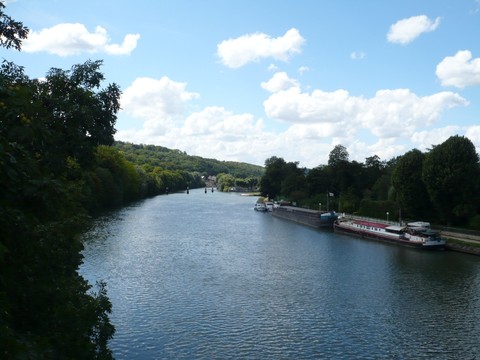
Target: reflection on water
(204, 276)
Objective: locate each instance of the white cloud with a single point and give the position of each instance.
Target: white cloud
(460, 70)
(316, 122)
(212, 132)
(423, 140)
(292, 105)
(406, 30)
(393, 113)
(235, 53)
(473, 133)
(303, 69)
(72, 39)
(357, 55)
(317, 132)
(279, 81)
(222, 124)
(272, 67)
(384, 148)
(390, 113)
(158, 102)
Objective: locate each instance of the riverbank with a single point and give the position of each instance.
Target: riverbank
(468, 244)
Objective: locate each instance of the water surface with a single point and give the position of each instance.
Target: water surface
(204, 276)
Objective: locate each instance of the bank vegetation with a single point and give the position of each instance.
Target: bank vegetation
(440, 185)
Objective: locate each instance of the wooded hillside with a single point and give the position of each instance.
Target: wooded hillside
(168, 159)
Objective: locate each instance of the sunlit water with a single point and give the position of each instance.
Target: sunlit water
(204, 276)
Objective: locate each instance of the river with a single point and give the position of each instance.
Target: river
(204, 276)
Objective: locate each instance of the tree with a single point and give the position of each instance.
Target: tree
(372, 171)
(11, 32)
(451, 172)
(83, 114)
(271, 181)
(47, 310)
(318, 180)
(337, 155)
(293, 180)
(412, 195)
(225, 182)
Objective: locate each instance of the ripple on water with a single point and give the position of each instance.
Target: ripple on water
(204, 276)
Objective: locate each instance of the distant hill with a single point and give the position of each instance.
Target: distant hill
(168, 159)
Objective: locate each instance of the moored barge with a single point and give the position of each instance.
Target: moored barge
(415, 234)
(313, 218)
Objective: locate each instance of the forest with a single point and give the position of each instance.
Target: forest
(440, 185)
(152, 158)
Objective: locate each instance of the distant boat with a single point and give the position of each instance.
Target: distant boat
(415, 234)
(260, 206)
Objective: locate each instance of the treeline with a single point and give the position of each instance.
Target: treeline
(115, 180)
(149, 156)
(227, 182)
(440, 185)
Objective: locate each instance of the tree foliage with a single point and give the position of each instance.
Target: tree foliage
(169, 159)
(338, 155)
(164, 164)
(275, 174)
(412, 195)
(48, 129)
(451, 172)
(441, 185)
(11, 32)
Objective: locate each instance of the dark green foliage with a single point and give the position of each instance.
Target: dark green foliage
(474, 222)
(11, 32)
(412, 195)
(81, 115)
(440, 186)
(379, 210)
(158, 156)
(337, 155)
(46, 308)
(275, 174)
(451, 174)
(175, 170)
(319, 180)
(225, 182)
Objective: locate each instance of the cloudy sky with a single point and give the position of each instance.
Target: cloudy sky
(247, 80)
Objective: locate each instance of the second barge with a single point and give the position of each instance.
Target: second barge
(313, 218)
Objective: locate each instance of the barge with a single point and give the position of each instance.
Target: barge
(415, 234)
(313, 218)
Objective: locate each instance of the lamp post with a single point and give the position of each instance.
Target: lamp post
(387, 215)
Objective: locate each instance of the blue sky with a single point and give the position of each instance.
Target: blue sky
(247, 80)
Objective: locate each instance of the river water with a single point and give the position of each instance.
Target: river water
(204, 276)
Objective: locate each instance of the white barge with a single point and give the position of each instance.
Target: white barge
(415, 234)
